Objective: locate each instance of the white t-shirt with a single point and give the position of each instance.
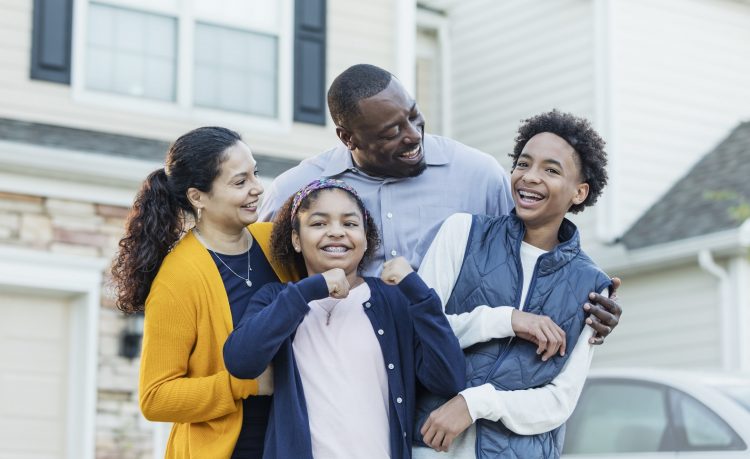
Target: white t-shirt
(344, 379)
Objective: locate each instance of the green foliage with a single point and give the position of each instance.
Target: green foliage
(739, 208)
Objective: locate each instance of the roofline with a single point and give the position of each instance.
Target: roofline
(729, 243)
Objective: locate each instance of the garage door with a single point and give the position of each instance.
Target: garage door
(34, 347)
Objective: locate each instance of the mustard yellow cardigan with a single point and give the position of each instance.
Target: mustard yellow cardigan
(182, 377)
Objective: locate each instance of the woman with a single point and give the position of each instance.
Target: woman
(194, 286)
(347, 350)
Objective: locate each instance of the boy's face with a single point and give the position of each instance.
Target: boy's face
(547, 181)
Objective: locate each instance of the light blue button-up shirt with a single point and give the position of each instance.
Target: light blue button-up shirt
(408, 211)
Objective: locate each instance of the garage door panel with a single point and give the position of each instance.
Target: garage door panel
(41, 356)
(34, 373)
(21, 394)
(32, 436)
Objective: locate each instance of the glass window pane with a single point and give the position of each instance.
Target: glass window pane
(243, 70)
(131, 52)
(618, 417)
(251, 14)
(703, 429)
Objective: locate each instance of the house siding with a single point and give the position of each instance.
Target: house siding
(671, 319)
(514, 59)
(680, 82)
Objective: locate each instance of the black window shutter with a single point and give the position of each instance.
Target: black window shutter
(51, 40)
(310, 61)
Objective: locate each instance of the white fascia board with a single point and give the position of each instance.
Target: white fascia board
(68, 174)
(619, 260)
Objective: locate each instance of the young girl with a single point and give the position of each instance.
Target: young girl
(194, 286)
(345, 349)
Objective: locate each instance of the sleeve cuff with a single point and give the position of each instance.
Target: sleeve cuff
(243, 388)
(477, 400)
(414, 287)
(313, 288)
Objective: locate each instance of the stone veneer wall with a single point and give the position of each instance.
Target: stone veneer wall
(89, 230)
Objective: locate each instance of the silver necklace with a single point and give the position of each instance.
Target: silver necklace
(247, 280)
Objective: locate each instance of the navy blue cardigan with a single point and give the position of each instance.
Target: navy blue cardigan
(411, 328)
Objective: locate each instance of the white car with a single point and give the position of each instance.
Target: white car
(660, 414)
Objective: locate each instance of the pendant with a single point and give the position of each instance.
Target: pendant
(328, 318)
(248, 282)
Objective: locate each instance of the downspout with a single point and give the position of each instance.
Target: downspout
(728, 321)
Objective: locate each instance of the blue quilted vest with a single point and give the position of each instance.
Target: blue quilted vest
(491, 274)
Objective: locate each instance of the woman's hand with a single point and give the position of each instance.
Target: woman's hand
(394, 270)
(338, 285)
(540, 330)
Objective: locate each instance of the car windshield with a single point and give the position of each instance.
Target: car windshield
(741, 394)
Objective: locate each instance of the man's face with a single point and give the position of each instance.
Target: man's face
(386, 139)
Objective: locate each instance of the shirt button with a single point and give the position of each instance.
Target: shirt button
(394, 253)
(389, 215)
(399, 400)
(391, 366)
(404, 434)
(381, 332)
(367, 305)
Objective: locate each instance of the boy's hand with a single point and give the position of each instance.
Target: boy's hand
(540, 330)
(394, 270)
(446, 423)
(338, 285)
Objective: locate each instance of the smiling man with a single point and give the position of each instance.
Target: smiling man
(410, 181)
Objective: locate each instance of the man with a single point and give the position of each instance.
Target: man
(411, 182)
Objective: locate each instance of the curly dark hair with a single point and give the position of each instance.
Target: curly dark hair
(281, 237)
(352, 85)
(161, 209)
(578, 132)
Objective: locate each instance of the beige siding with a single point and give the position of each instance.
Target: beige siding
(671, 319)
(513, 59)
(358, 31)
(680, 85)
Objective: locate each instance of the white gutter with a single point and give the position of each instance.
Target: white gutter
(617, 259)
(727, 310)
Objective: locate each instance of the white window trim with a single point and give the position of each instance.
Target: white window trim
(66, 275)
(182, 108)
(66, 174)
(429, 20)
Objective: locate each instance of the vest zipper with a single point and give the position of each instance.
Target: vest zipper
(501, 357)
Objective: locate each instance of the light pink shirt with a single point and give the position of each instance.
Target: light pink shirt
(344, 379)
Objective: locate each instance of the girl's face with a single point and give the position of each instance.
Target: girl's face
(331, 233)
(233, 200)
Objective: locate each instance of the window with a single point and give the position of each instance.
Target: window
(700, 429)
(226, 52)
(131, 52)
(235, 70)
(618, 417)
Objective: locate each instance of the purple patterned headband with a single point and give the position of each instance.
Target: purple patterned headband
(320, 184)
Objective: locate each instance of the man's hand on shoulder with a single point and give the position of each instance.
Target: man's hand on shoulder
(605, 312)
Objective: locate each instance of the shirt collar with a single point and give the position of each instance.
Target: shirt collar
(341, 159)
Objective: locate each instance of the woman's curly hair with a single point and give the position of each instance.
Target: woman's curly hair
(578, 132)
(283, 227)
(161, 209)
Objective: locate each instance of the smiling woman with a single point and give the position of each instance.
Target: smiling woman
(194, 286)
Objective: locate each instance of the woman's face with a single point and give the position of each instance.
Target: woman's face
(233, 200)
(331, 233)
